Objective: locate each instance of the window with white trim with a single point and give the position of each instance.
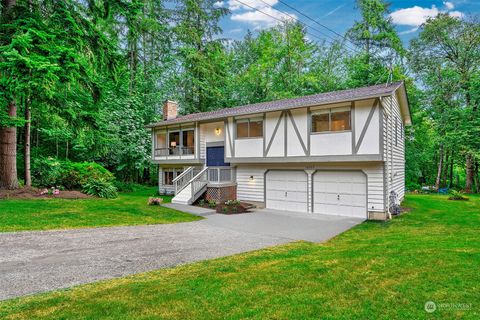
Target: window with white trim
(332, 120)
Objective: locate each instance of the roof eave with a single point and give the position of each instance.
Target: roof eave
(366, 97)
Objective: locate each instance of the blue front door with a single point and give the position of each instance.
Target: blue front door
(215, 157)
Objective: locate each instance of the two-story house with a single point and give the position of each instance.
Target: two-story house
(339, 153)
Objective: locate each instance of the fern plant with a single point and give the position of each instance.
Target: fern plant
(100, 188)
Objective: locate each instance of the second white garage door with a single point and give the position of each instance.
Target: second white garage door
(286, 190)
(341, 193)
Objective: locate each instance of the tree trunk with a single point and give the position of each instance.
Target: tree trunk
(27, 137)
(450, 185)
(8, 153)
(440, 167)
(8, 135)
(469, 176)
(446, 164)
(476, 178)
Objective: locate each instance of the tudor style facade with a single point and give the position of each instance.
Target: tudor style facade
(338, 153)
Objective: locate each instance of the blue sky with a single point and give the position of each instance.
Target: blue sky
(338, 15)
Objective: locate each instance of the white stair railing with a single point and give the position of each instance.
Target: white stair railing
(199, 181)
(183, 179)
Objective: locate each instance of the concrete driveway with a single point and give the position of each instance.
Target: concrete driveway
(32, 262)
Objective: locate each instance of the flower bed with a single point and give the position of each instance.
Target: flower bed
(229, 207)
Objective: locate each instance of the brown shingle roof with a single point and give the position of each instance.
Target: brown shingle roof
(305, 101)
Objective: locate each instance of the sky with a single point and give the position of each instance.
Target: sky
(337, 15)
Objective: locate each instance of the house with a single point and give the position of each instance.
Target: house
(338, 153)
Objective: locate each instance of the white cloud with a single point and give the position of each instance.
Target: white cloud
(257, 4)
(258, 13)
(448, 5)
(415, 16)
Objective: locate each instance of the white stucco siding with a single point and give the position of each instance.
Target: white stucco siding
(253, 189)
(248, 147)
(323, 144)
(277, 146)
(295, 139)
(371, 139)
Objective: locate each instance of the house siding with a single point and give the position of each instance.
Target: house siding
(394, 148)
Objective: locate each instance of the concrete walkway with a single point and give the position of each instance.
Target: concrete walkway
(32, 262)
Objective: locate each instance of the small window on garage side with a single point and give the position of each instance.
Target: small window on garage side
(321, 121)
(242, 129)
(250, 128)
(340, 119)
(332, 120)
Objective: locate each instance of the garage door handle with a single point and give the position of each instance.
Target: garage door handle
(338, 197)
(286, 193)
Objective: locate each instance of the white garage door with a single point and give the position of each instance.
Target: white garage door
(286, 190)
(341, 193)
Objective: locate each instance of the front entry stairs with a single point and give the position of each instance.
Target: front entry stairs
(190, 185)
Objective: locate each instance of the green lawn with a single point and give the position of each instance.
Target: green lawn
(378, 270)
(44, 214)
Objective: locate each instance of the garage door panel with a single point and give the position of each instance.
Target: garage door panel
(340, 193)
(286, 190)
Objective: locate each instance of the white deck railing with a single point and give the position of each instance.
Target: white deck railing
(217, 175)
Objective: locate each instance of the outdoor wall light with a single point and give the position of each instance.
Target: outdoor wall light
(218, 131)
(251, 178)
(173, 144)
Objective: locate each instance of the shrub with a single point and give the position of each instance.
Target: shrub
(232, 203)
(70, 175)
(212, 203)
(126, 186)
(412, 186)
(100, 188)
(457, 195)
(154, 201)
(201, 202)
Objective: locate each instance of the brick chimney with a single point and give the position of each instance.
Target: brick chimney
(169, 110)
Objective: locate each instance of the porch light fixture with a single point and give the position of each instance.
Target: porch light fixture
(173, 144)
(218, 131)
(251, 178)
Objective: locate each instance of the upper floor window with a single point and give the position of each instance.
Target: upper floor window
(175, 142)
(250, 128)
(328, 120)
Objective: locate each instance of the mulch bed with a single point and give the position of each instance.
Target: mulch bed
(243, 207)
(34, 193)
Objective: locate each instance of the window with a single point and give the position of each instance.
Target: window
(174, 142)
(168, 178)
(250, 128)
(181, 142)
(188, 142)
(337, 119)
(169, 175)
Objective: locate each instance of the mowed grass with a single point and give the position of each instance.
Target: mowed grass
(46, 214)
(378, 270)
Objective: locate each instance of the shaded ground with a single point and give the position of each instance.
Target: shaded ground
(34, 193)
